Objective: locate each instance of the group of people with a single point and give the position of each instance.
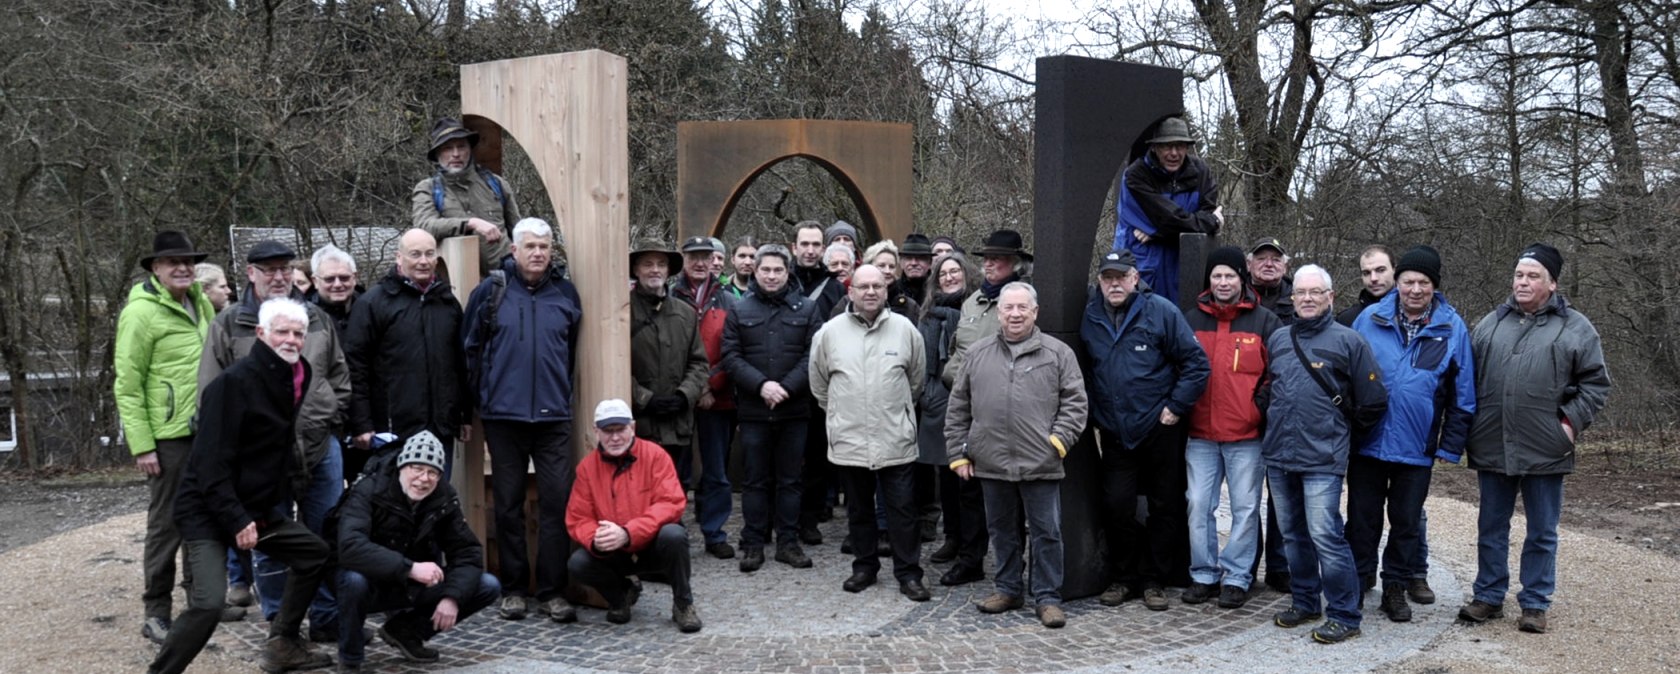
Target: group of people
(910, 379)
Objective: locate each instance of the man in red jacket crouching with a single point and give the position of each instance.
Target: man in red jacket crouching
(625, 511)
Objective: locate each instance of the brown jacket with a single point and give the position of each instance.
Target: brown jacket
(666, 356)
(467, 196)
(1016, 408)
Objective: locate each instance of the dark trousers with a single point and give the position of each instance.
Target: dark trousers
(924, 485)
(713, 499)
(817, 474)
(162, 540)
(1037, 503)
(411, 603)
(903, 528)
(666, 556)
(682, 458)
(514, 446)
(775, 454)
(965, 518)
(287, 541)
(1158, 550)
(1372, 484)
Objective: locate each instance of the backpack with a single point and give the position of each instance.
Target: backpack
(489, 179)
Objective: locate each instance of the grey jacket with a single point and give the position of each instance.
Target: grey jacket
(1016, 409)
(979, 320)
(1532, 372)
(1305, 431)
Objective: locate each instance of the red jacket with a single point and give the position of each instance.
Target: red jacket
(1234, 337)
(639, 491)
(713, 304)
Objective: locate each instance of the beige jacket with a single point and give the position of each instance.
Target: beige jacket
(979, 320)
(467, 196)
(1016, 408)
(868, 376)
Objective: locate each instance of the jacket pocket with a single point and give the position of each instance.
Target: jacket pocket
(1430, 352)
(1249, 356)
(168, 402)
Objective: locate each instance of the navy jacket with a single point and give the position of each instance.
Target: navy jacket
(1431, 384)
(1164, 205)
(1149, 361)
(768, 338)
(1305, 431)
(528, 358)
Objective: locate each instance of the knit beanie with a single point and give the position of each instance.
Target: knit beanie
(839, 228)
(1423, 260)
(1547, 256)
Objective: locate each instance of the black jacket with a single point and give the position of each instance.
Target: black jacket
(405, 354)
(1277, 299)
(809, 282)
(246, 445)
(381, 534)
(1346, 316)
(768, 338)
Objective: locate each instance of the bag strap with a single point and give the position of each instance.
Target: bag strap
(1323, 382)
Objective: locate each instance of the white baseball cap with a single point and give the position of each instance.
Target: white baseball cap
(612, 412)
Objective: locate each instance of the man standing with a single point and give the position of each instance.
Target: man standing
(746, 248)
(1376, 271)
(1167, 192)
(766, 340)
(626, 518)
(811, 277)
(404, 548)
(667, 360)
(160, 338)
(1268, 272)
(229, 495)
(462, 198)
(1540, 382)
(1423, 348)
(915, 263)
(1017, 406)
(1225, 429)
(320, 419)
(824, 290)
(714, 413)
(1326, 388)
(1003, 260)
(866, 370)
(1147, 371)
(520, 338)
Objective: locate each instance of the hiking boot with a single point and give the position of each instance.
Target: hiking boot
(1478, 612)
(1197, 593)
(232, 614)
(1155, 597)
(280, 654)
(407, 643)
(513, 608)
(1118, 594)
(751, 559)
(810, 535)
(1051, 616)
(239, 594)
(686, 617)
(915, 590)
(1533, 621)
(618, 615)
(1231, 596)
(1394, 603)
(1294, 617)
(946, 552)
(720, 550)
(858, 581)
(559, 610)
(999, 602)
(1278, 580)
(961, 575)
(156, 629)
(1332, 632)
(794, 556)
(1418, 590)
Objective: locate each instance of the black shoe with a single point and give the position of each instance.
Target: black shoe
(930, 531)
(961, 575)
(1478, 612)
(793, 556)
(1367, 582)
(858, 581)
(1394, 603)
(846, 546)
(1533, 621)
(408, 644)
(915, 590)
(720, 550)
(751, 559)
(1119, 593)
(1278, 580)
(1294, 617)
(1197, 593)
(618, 615)
(810, 535)
(945, 553)
(1418, 590)
(156, 629)
(1231, 596)
(1332, 632)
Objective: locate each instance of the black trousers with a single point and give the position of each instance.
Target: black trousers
(1399, 489)
(1158, 550)
(817, 474)
(965, 518)
(903, 528)
(774, 453)
(666, 556)
(513, 447)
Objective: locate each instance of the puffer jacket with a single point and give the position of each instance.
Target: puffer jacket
(768, 338)
(1431, 384)
(713, 302)
(1234, 338)
(939, 329)
(524, 364)
(1305, 431)
(1532, 373)
(381, 533)
(666, 356)
(467, 196)
(1148, 362)
(638, 491)
(405, 355)
(867, 377)
(1016, 408)
(155, 359)
(1164, 205)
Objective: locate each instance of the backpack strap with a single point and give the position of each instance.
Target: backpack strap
(487, 324)
(489, 179)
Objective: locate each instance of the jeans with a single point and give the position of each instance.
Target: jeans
(239, 569)
(1040, 502)
(412, 604)
(965, 518)
(903, 529)
(713, 500)
(1403, 487)
(1320, 562)
(326, 485)
(775, 453)
(162, 539)
(1156, 552)
(1237, 464)
(514, 447)
(1542, 497)
(667, 556)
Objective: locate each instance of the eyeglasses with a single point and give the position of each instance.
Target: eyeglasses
(421, 255)
(951, 273)
(1315, 293)
(335, 279)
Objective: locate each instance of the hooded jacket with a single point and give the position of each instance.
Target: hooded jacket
(638, 491)
(1234, 338)
(1016, 408)
(768, 338)
(1164, 205)
(155, 359)
(526, 364)
(466, 196)
(1149, 361)
(1430, 381)
(867, 376)
(381, 534)
(1305, 431)
(666, 356)
(404, 350)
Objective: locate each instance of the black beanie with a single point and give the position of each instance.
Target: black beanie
(1423, 260)
(1547, 256)
(1230, 256)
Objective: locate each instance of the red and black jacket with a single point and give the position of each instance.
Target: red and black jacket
(1234, 337)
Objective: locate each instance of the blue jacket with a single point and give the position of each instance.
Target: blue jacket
(1305, 431)
(1150, 361)
(527, 359)
(1431, 384)
(1164, 205)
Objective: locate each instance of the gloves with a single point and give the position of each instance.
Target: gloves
(666, 405)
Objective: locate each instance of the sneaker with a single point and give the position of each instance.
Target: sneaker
(1533, 621)
(1418, 590)
(239, 594)
(810, 535)
(1294, 617)
(1117, 594)
(559, 610)
(1231, 596)
(794, 556)
(232, 614)
(1394, 603)
(156, 629)
(1478, 612)
(1197, 593)
(1332, 632)
(280, 654)
(1051, 616)
(946, 552)
(1155, 597)
(1278, 580)
(720, 550)
(999, 602)
(513, 607)
(686, 617)
(751, 559)
(409, 644)
(618, 615)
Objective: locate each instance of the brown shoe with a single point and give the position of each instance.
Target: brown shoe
(1478, 612)
(999, 602)
(1118, 594)
(1418, 590)
(1155, 598)
(1051, 616)
(280, 654)
(1533, 621)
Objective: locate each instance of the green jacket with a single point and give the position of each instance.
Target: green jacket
(666, 356)
(467, 196)
(156, 362)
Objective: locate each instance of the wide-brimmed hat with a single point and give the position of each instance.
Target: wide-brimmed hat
(673, 259)
(170, 243)
(448, 129)
(917, 245)
(1003, 242)
(1172, 130)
